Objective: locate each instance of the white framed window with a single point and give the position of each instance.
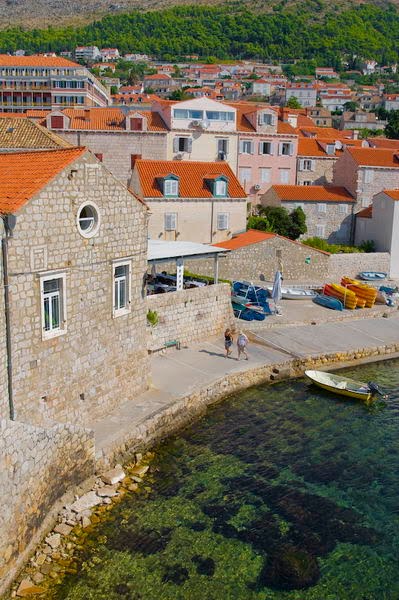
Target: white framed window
(265, 148)
(245, 175)
(307, 165)
(220, 188)
(368, 176)
(267, 119)
(246, 147)
(223, 221)
(321, 207)
(343, 209)
(88, 219)
(320, 231)
(307, 182)
(265, 174)
(365, 202)
(284, 175)
(171, 187)
(182, 144)
(286, 149)
(53, 304)
(170, 221)
(222, 146)
(121, 287)
(219, 115)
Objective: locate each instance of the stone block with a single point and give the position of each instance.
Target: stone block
(113, 476)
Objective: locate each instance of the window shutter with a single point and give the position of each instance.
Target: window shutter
(57, 122)
(312, 165)
(260, 147)
(189, 144)
(223, 221)
(176, 144)
(291, 149)
(170, 221)
(251, 151)
(271, 148)
(274, 119)
(227, 146)
(301, 165)
(241, 146)
(280, 149)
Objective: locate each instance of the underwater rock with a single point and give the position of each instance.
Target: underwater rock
(290, 568)
(28, 588)
(175, 574)
(205, 566)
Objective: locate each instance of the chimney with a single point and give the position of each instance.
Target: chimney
(87, 114)
(355, 135)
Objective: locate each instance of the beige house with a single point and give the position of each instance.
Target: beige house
(190, 201)
(200, 129)
(117, 137)
(364, 172)
(76, 251)
(328, 209)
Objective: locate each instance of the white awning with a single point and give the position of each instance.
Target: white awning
(159, 250)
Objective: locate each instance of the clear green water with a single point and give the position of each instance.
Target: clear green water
(281, 492)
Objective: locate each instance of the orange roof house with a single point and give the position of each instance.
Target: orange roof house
(37, 60)
(190, 201)
(312, 193)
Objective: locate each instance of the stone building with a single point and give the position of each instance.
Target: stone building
(23, 134)
(76, 260)
(116, 136)
(328, 209)
(315, 162)
(364, 172)
(190, 201)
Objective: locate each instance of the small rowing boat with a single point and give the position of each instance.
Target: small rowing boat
(344, 386)
(295, 294)
(328, 302)
(372, 275)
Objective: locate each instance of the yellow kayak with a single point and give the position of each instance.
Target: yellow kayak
(340, 385)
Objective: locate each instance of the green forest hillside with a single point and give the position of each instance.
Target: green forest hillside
(306, 30)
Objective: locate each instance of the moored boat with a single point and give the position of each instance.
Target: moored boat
(344, 386)
(328, 302)
(295, 294)
(372, 275)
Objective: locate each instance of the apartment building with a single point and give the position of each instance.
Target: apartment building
(305, 93)
(47, 82)
(87, 53)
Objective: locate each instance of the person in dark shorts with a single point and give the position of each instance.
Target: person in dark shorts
(228, 342)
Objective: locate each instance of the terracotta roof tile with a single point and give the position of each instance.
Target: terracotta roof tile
(110, 119)
(285, 128)
(192, 177)
(252, 236)
(37, 60)
(312, 193)
(365, 213)
(375, 157)
(394, 194)
(25, 134)
(383, 143)
(23, 174)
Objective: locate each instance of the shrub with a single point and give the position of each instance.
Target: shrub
(152, 318)
(320, 244)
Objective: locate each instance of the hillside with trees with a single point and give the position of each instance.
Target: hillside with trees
(230, 31)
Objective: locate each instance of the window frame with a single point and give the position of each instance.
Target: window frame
(243, 144)
(322, 208)
(262, 148)
(62, 329)
(125, 310)
(97, 221)
(170, 180)
(225, 216)
(169, 215)
(285, 172)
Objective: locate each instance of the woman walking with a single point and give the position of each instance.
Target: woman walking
(242, 342)
(228, 342)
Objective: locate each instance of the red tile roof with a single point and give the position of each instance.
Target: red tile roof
(23, 174)
(312, 193)
(252, 236)
(375, 157)
(365, 213)
(110, 119)
(394, 194)
(192, 177)
(37, 60)
(378, 142)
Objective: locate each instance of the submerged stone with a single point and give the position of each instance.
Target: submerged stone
(175, 574)
(290, 569)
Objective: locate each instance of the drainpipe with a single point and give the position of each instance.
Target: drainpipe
(9, 224)
(211, 220)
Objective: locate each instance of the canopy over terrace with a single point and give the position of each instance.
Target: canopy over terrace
(164, 252)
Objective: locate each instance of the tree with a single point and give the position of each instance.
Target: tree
(350, 106)
(392, 128)
(293, 103)
(298, 226)
(278, 220)
(259, 223)
(179, 95)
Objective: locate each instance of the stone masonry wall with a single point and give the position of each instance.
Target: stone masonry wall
(100, 360)
(4, 408)
(261, 260)
(190, 315)
(117, 147)
(321, 173)
(37, 466)
(353, 264)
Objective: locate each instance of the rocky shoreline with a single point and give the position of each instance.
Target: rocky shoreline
(56, 555)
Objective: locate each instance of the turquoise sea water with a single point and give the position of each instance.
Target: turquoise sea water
(280, 492)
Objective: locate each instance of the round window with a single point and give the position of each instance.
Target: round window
(88, 220)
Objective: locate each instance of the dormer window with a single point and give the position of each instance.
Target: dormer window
(330, 148)
(266, 119)
(218, 186)
(171, 186)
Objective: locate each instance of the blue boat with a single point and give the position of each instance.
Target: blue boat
(372, 275)
(328, 302)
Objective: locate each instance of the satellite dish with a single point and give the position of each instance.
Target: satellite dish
(338, 145)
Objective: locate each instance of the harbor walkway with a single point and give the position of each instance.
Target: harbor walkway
(178, 374)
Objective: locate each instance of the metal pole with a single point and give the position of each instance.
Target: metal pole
(4, 247)
(216, 270)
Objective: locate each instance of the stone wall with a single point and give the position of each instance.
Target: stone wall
(321, 173)
(261, 260)
(190, 315)
(100, 360)
(4, 407)
(37, 466)
(353, 264)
